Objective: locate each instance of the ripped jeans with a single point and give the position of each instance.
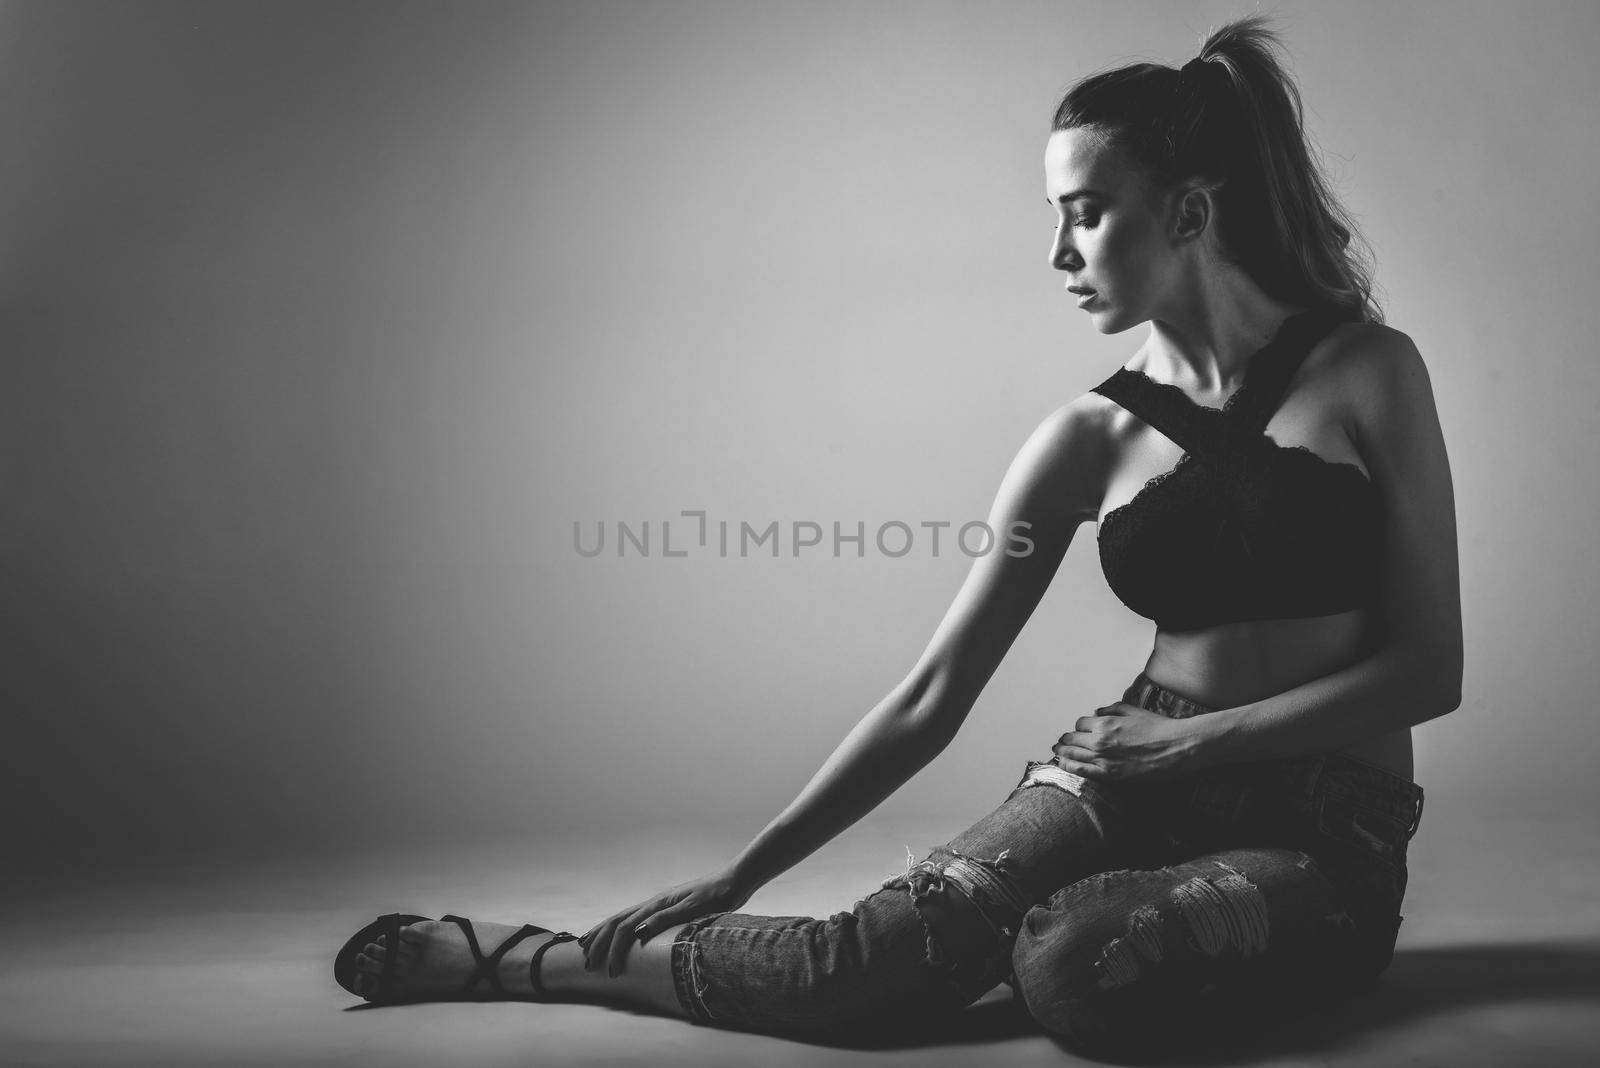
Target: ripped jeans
(1128, 917)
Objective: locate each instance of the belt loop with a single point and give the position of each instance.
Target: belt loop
(1140, 691)
(1417, 821)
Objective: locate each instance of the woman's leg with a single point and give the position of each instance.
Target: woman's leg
(946, 924)
(1135, 963)
(928, 941)
(1284, 883)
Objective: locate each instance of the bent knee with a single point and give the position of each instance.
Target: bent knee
(1123, 962)
(1102, 1003)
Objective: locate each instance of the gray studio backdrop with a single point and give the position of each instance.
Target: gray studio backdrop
(324, 324)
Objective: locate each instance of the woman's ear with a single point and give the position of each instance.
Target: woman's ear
(1193, 212)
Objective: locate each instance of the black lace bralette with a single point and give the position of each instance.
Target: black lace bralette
(1242, 528)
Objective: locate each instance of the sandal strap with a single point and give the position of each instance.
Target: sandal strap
(488, 968)
(538, 954)
(391, 929)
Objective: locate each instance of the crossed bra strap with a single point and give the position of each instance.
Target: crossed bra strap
(1211, 432)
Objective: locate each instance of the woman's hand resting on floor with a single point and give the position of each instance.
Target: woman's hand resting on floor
(607, 942)
(1123, 741)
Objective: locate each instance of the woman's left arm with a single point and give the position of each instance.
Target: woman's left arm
(1414, 677)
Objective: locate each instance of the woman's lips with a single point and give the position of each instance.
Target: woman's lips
(1085, 298)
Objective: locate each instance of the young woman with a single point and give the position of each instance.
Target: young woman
(1270, 486)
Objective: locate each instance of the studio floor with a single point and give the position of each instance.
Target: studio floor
(229, 963)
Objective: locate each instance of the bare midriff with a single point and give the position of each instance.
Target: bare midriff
(1241, 663)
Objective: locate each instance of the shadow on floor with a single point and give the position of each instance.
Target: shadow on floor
(1418, 984)
(1430, 981)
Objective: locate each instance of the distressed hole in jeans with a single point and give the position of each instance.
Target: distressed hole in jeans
(985, 887)
(1044, 773)
(1121, 959)
(1225, 912)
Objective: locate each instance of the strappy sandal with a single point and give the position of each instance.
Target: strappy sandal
(485, 968)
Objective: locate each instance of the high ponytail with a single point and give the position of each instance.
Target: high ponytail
(1232, 118)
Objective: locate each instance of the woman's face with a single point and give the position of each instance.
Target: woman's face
(1110, 235)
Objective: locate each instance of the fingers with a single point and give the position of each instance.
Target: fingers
(1093, 732)
(597, 939)
(608, 941)
(671, 917)
(1079, 753)
(597, 943)
(623, 940)
(1087, 769)
(1088, 741)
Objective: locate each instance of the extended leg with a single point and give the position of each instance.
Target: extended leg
(928, 942)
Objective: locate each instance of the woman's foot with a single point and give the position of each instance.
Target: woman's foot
(434, 961)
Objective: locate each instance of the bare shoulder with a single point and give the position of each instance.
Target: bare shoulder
(1080, 422)
(1378, 371)
(1367, 368)
(1068, 451)
(1364, 354)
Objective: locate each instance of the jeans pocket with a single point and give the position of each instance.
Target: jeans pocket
(1365, 842)
(1343, 815)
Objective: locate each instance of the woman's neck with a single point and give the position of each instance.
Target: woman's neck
(1204, 345)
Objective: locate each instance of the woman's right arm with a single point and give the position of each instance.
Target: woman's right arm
(1051, 487)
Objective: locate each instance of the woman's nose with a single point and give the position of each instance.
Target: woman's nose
(1062, 254)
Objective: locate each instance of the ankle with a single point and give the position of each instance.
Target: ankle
(535, 978)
